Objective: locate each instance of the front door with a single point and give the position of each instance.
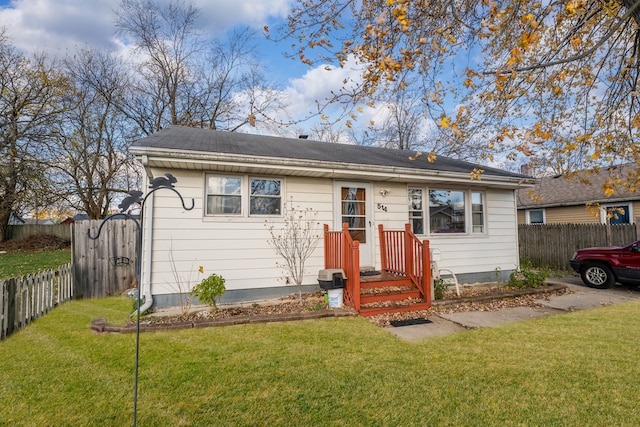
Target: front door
(354, 202)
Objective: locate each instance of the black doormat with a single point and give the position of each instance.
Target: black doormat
(409, 322)
(370, 273)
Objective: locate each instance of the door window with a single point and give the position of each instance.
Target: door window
(354, 212)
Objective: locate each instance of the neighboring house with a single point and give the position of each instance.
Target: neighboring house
(15, 219)
(598, 198)
(76, 217)
(240, 182)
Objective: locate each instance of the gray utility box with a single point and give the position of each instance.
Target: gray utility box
(332, 278)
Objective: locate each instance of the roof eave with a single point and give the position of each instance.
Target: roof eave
(187, 159)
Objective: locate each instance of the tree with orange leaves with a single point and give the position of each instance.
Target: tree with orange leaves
(555, 82)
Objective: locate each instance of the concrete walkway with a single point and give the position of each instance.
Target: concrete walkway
(580, 298)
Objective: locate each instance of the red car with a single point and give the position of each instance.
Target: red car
(601, 267)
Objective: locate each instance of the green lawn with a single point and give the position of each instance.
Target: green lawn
(20, 263)
(577, 369)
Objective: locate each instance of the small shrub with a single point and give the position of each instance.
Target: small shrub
(318, 307)
(439, 288)
(528, 277)
(209, 290)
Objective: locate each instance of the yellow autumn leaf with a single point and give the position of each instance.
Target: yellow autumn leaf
(575, 42)
(201, 269)
(418, 154)
(431, 157)
(323, 117)
(359, 109)
(252, 120)
(609, 191)
(444, 122)
(348, 124)
(476, 174)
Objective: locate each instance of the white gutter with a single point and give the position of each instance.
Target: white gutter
(327, 169)
(147, 237)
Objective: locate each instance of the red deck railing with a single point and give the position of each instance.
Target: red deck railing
(341, 251)
(403, 253)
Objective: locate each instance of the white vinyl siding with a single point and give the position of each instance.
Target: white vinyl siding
(235, 246)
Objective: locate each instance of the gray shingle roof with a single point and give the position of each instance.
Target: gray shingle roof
(211, 141)
(565, 191)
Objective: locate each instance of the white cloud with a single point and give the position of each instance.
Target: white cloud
(58, 26)
(221, 15)
(318, 85)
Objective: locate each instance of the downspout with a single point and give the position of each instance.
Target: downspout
(147, 236)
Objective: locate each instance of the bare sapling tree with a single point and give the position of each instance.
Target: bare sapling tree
(294, 240)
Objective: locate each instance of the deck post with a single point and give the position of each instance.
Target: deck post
(408, 252)
(426, 273)
(326, 246)
(383, 247)
(355, 276)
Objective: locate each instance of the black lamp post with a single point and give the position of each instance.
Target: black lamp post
(158, 183)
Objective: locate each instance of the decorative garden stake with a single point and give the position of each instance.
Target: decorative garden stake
(158, 183)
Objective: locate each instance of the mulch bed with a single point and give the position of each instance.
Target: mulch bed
(472, 298)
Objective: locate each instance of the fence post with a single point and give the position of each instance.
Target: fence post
(12, 292)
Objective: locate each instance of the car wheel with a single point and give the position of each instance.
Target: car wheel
(597, 275)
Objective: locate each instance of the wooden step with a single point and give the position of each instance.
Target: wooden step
(374, 311)
(395, 295)
(384, 281)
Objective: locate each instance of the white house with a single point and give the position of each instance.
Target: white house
(238, 182)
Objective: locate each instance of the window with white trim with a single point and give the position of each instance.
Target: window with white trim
(416, 211)
(264, 196)
(535, 216)
(477, 212)
(448, 211)
(239, 195)
(616, 214)
(224, 195)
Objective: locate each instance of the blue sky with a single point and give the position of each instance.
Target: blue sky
(61, 26)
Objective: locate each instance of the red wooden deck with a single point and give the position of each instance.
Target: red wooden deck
(405, 280)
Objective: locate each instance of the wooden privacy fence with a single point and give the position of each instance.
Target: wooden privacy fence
(21, 231)
(552, 245)
(24, 299)
(105, 266)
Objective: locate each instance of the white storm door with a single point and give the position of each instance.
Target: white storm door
(355, 207)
